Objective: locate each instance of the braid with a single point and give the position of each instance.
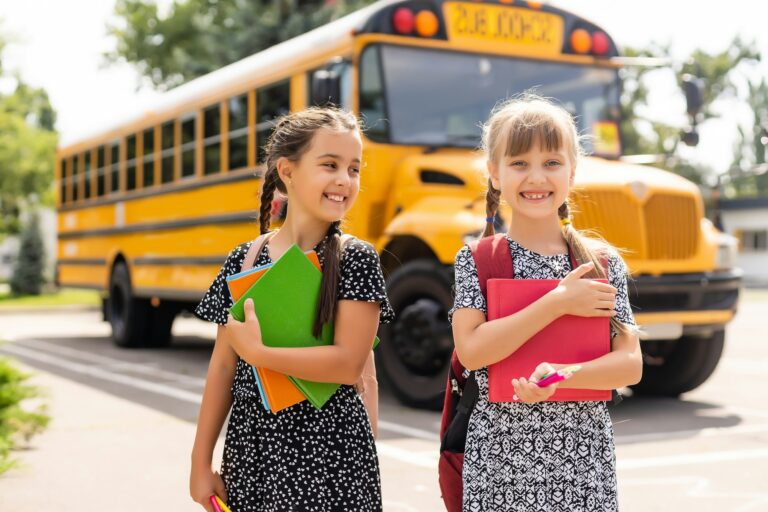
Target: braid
(326, 306)
(492, 199)
(267, 194)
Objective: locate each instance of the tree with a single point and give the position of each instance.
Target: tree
(719, 72)
(27, 147)
(27, 278)
(196, 37)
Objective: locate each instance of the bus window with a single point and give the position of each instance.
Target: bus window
(272, 102)
(100, 172)
(148, 152)
(130, 165)
(238, 132)
(168, 142)
(212, 139)
(63, 178)
(343, 70)
(115, 166)
(188, 146)
(372, 106)
(88, 191)
(73, 178)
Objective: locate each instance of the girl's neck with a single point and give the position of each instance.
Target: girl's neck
(543, 236)
(302, 230)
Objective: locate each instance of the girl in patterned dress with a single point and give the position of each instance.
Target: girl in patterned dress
(534, 455)
(300, 458)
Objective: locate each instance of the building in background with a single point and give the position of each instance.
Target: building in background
(747, 220)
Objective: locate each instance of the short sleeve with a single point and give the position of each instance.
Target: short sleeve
(467, 284)
(362, 279)
(617, 276)
(214, 307)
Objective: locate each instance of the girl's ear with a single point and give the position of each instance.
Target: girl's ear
(493, 173)
(284, 169)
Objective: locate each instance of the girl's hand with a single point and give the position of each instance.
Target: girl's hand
(585, 297)
(203, 483)
(529, 392)
(245, 337)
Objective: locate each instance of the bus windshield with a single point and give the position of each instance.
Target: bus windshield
(441, 98)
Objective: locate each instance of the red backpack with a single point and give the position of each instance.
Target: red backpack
(493, 260)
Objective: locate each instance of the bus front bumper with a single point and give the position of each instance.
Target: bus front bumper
(675, 305)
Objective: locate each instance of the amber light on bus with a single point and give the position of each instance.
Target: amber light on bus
(583, 42)
(425, 22)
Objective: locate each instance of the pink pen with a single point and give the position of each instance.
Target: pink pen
(215, 503)
(558, 376)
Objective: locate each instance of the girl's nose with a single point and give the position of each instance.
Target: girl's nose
(342, 178)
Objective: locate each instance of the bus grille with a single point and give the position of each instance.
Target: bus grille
(665, 227)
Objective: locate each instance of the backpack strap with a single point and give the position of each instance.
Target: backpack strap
(255, 249)
(492, 259)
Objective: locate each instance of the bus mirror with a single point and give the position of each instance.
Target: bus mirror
(326, 87)
(693, 88)
(690, 137)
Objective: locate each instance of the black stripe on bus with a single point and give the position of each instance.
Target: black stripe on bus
(181, 186)
(89, 286)
(230, 218)
(87, 262)
(210, 260)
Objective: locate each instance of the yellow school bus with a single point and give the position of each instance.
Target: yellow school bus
(148, 207)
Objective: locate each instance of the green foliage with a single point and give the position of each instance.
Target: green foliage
(196, 37)
(17, 423)
(27, 276)
(27, 148)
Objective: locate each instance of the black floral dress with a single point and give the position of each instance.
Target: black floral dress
(548, 456)
(301, 459)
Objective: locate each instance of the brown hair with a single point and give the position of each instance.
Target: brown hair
(514, 127)
(291, 138)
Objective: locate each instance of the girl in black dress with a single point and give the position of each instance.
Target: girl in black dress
(300, 458)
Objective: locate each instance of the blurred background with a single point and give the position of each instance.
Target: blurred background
(130, 149)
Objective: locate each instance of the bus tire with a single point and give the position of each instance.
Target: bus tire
(415, 349)
(685, 367)
(135, 323)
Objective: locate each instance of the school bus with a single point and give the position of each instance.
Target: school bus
(148, 207)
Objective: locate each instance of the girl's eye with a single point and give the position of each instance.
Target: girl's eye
(331, 165)
(517, 163)
(355, 170)
(553, 163)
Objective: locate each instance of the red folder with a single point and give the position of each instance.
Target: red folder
(569, 339)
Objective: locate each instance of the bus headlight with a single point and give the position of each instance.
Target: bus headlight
(726, 252)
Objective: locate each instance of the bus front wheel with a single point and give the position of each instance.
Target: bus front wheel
(681, 365)
(415, 349)
(135, 323)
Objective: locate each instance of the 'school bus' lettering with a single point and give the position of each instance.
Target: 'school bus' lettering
(540, 32)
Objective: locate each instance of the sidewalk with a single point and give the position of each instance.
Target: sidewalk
(87, 460)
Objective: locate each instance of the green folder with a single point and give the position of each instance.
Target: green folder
(285, 300)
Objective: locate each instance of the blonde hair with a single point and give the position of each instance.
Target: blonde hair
(513, 128)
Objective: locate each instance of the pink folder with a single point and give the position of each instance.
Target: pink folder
(569, 339)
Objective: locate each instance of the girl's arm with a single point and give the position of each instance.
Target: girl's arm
(356, 324)
(217, 399)
(623, 366)
(480, 343)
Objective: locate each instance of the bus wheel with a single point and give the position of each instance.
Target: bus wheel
(135, 323)
(684, 366)
(415, 349)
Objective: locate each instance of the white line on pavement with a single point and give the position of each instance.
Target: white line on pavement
(409, 431)
(682, 434)
(690, 458)
(421, 459)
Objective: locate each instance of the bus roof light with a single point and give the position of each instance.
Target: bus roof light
(426, 23)
(600, 43)
(581, 42)
(403, 20)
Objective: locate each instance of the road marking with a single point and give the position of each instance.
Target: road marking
(690, 458)
(195, 398)
(679, 434)
(117, 364)
(420, 459)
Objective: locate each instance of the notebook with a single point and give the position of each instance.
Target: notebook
(569, 339)
(285, 299)
(276, 389)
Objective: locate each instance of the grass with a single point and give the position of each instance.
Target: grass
(61, 297)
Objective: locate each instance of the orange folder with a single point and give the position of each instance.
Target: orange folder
(567, 340)
(281, 392)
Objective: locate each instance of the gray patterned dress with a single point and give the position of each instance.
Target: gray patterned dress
(548, 456)
(301, 459)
